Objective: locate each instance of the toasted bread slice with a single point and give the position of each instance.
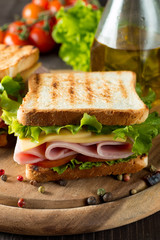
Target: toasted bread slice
(40, 174)
(63, 98)
(16, 59)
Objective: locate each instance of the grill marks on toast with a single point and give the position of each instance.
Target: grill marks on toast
(55, 85)
(89, 90)
(71, 89)
(62, 98)
(122, 89)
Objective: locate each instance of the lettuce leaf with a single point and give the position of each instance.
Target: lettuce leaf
(141, 134)
(75, 32)
(147, 99)
(72, 164)
(13, 86)
(87, 165)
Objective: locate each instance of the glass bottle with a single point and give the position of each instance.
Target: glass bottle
(128, 38)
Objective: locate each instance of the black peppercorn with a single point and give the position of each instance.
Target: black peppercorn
(62, 182)
(91, 201)
(4, 178)
(107, 197)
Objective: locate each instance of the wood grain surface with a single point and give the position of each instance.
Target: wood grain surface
(62, 210)
(145, 229)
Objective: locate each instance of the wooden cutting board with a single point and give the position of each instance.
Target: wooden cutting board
(63, 210)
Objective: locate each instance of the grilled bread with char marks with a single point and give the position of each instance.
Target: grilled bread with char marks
(16, 59)
(63, 98)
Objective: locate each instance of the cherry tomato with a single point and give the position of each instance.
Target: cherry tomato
(54, 6)
(72, 2)
(31, 12)
(83, 158)
(2, 35)
(41, 39)
(14, 39)
(49, 25)
(16, 27)
(41, 3)
(55, 163)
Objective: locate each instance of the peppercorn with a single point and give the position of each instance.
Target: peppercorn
(107, 197)
(101, 191)
(133, 191)
(2, 172)
(152, 169)
(120, 177)
(126, 177)
(4, 178)
(20, 178)
(153, 179)
(21, 202)
(33, 182)
(41, 189)
(91, 201)
(62, 182)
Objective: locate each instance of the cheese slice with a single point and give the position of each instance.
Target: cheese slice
(66, 136)
(27, 73)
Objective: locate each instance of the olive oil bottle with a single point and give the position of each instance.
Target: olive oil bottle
(128, 38)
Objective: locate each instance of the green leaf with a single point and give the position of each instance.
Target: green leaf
(72, 164)
(75, 32)
(147, 99)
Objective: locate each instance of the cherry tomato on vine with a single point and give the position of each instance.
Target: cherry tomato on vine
(14, 39)
(54, 6)
(16, 27)
(46, 25)
(41, 39)
(72, 2)
(31, 12)
(2, 35)
(41, 3)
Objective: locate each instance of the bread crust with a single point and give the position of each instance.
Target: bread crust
(40, 174)
(73, 116)
(36, 115)
(20, 58)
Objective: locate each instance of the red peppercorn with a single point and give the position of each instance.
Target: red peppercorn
(20, 178)
(2, 172)
(126, 177)
(21, 202)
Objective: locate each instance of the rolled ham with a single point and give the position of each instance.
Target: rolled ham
(108, 150)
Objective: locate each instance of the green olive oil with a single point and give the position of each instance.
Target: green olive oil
(131, 56)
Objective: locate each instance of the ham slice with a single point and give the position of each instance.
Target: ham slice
(108, 150)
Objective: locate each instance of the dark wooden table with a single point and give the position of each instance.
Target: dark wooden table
(146, 229)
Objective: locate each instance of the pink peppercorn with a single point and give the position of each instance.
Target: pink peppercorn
(2, 172)
(126, 177)
(20, 178)
(21, 202)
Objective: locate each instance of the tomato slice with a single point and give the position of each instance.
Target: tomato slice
(54, 163)
(83, 158)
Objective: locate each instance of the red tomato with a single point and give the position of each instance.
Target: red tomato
(55, 163)
(31, 12)
(41, 3)
(54, 6)
(83, 158)
(16, 27)
(2, 35)
(72, 2)
(41, 39)
(14, 39)
(42, 24)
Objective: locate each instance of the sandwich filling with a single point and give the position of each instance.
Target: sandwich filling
(88, 144)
